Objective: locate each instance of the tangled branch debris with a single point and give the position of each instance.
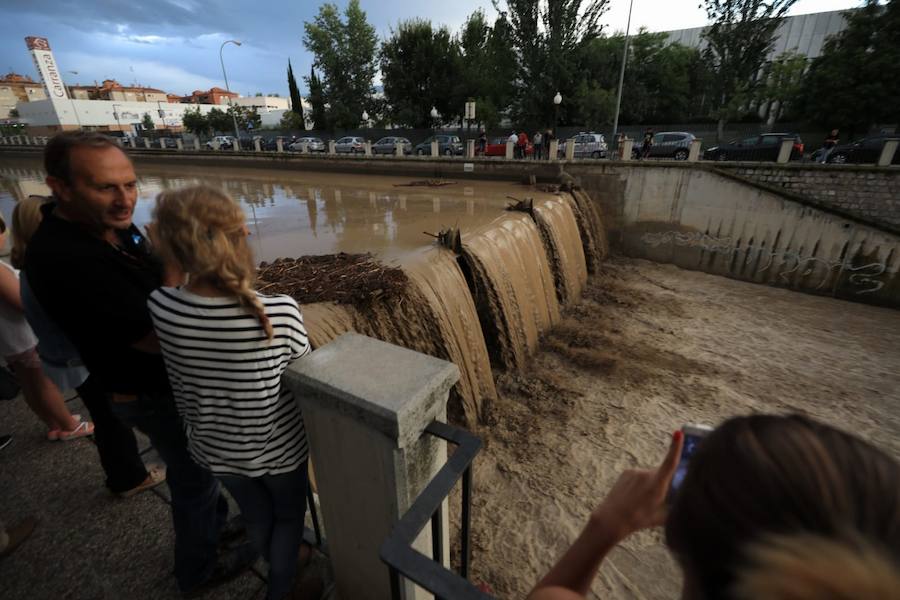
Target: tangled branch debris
(426, 183)
(355, 279)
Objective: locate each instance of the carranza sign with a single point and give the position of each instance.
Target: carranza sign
(46, 66)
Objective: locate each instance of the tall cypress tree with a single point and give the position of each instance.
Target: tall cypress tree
(317, 100)
(296, 100)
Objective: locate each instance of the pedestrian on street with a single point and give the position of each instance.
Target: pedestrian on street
(522, 144)
(87, 242)
(538, 145)
(514, 139)
(549, 137)
(648, 144)
(830, 142)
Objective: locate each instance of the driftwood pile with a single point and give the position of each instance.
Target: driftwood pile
(355, 279)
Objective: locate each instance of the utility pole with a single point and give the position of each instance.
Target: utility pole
(622, 71)
(237, 134)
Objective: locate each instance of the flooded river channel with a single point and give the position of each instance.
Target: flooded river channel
(299, 213)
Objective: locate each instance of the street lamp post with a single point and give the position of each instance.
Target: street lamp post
(365, 118)
(622, 71)
(237, 134)
(434, 117)
(557, 100)
(72, 100)
(116, 115)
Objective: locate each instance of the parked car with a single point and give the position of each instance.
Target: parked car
(350, 145)
(167, 143)
(866, 150)
(387, 145)
(448, 145)
(587, 145)
(667, 144)
(221, 142)
(313, 144)
(497, 147)
(271, 144)
(763, 147)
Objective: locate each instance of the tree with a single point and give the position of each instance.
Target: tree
(247, 118)
(195, 122)
(782, 80)
(291, 121)
(147, 122)
(344, 51)
(546, 36)
(296, 100)
(739, 39)
(488, 67)
(317, 101)
(419, 68)
(854, 84)
(219, 120)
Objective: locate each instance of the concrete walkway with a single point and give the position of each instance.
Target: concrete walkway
(89, 544)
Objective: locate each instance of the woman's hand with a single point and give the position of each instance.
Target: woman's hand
(638, 498)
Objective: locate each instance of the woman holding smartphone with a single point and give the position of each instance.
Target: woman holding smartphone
(781, 508)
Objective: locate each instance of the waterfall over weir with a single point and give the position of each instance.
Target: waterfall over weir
(484, 308)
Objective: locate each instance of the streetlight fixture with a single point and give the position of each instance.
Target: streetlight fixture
(365, 118)
(237, 133)
(434, 117)
(557, 100)
(72, 100)
(622, 71)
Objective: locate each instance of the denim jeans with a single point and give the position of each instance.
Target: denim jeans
(274, 507)
(199, 510)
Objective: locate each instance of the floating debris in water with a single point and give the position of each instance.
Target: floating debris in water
(426, 183)
(343, 278)
(526, 205)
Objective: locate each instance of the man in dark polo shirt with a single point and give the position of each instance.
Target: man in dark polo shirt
(92, 271)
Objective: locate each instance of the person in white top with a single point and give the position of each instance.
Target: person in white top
(225, 347)
(18, 347)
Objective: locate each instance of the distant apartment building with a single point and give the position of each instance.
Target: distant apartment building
(111, 89)
(805, 34)
(264, 104)
(15, 88)
(214, 95)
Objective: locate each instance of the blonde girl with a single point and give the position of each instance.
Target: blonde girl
(225, 347)
(18, 345)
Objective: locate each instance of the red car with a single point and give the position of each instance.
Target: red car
(497, 147)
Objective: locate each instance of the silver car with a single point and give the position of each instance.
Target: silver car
(587, 145)
(350, 145)
(313, 144)
(387, 145)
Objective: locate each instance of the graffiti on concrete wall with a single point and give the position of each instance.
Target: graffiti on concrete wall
(785, 263)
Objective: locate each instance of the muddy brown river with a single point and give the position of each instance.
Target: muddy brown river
(294, 214)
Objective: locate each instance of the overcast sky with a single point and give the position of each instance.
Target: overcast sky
(174, 44)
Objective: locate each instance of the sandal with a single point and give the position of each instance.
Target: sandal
(84, 429)
(54, 434)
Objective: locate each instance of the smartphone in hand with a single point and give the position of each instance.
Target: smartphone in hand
(693, 435)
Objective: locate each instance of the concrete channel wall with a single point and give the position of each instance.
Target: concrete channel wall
(721, 219)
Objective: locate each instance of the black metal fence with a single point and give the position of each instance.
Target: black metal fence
(397, 552)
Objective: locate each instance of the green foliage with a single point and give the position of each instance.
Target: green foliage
(245, 117)
(854, 84)
(419, 66)
(740, 36)
(147, 122)
(594, 105)
(219, 120)
(195, 122)
(547, 37)
(344, 51)
(488, 67)
(296, 100)
(781, 82)
(317, 101)
(291, 121)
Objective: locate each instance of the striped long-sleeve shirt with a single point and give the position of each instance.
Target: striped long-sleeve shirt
(226, 379)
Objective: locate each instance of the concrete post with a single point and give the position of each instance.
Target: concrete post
(179, 144)
(435, 149)
(332, 147)
(147, 143)
(470, 148)
(197, 144)
(570, 149)
(784, 152)
(888, 151)
(694, 153)
(627, 149)
(236, 146)
(256, 145)
(368, 147)
(365, 435)
(510, 150)
(398, 149)
(279, 145)
(304, 148)
(553, 151)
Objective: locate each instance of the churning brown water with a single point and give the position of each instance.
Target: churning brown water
(484, 308)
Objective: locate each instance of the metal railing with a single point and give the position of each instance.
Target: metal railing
(397, 551)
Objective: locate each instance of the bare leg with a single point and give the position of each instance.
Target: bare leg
(44, 399)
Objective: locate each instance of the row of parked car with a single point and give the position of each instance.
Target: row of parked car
(667, 144)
